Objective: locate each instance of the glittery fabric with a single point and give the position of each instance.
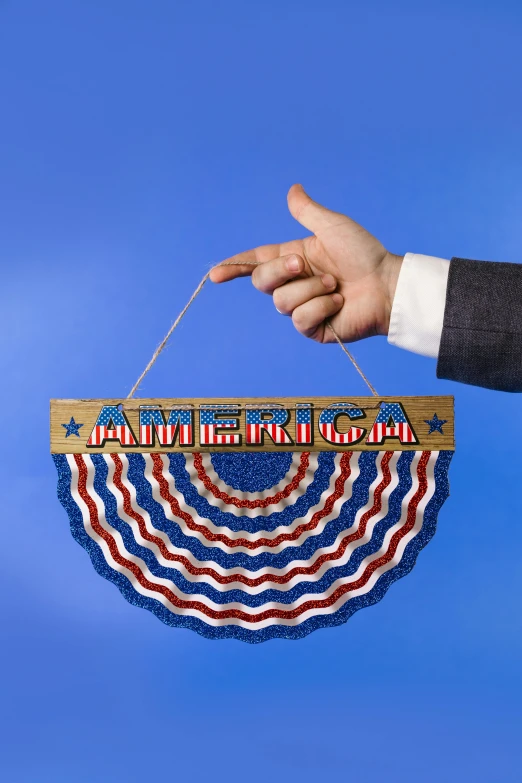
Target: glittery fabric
(209, 544)
(252, 472)
(245, 502)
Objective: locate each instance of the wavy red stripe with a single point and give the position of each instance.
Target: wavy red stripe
(157, 472)
(241, 578)
(238, 614)
(265, 502)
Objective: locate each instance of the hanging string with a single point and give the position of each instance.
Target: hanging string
(196, 293)
(351, 358)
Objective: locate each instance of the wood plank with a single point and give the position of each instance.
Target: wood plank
(418, 410)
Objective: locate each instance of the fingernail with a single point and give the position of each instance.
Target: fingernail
(328, 281)
(337, 299)
(292, 264)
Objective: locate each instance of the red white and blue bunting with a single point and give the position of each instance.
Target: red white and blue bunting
(254, 545)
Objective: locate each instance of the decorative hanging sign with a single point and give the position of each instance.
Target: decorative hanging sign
(253, 518)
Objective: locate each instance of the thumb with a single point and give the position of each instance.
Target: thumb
(309, 213)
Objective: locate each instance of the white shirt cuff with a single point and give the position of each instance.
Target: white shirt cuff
(417, 314)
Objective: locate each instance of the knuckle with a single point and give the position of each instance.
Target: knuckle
(281, 301)
(299, 320)
(259, 279)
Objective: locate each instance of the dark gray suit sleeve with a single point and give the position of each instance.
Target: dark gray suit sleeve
(481, 340)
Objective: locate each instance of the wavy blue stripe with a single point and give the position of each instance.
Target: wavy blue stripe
(232, 519)
(204, 552)
(252, 471)
(100, 486)
(275, 631)
(238, 595)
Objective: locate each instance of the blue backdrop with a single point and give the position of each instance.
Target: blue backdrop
(140, 143)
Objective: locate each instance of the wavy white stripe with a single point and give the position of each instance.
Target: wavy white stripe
(365, 588)
(222, 487)
(252, 590)
(243, 534)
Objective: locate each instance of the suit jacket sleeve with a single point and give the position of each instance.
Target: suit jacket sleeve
(481, 340)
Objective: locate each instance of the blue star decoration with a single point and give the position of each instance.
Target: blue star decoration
(72, 428)
(435, 424)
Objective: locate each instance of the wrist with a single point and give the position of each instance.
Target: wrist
(390, 270)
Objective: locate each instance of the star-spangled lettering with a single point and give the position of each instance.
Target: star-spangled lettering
(303, 423)
(180, 422)
(120, 430)
(209, 423)
(391, 422)
(177, 427)
(328, 428)
(257, 424)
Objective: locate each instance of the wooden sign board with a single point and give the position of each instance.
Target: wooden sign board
(252, 424)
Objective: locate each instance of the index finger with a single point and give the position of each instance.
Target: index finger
(243, 264)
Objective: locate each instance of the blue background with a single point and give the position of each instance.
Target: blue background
(140, 143)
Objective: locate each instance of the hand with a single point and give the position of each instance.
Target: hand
(341, 272)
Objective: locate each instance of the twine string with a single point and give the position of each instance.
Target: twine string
(196, 293)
